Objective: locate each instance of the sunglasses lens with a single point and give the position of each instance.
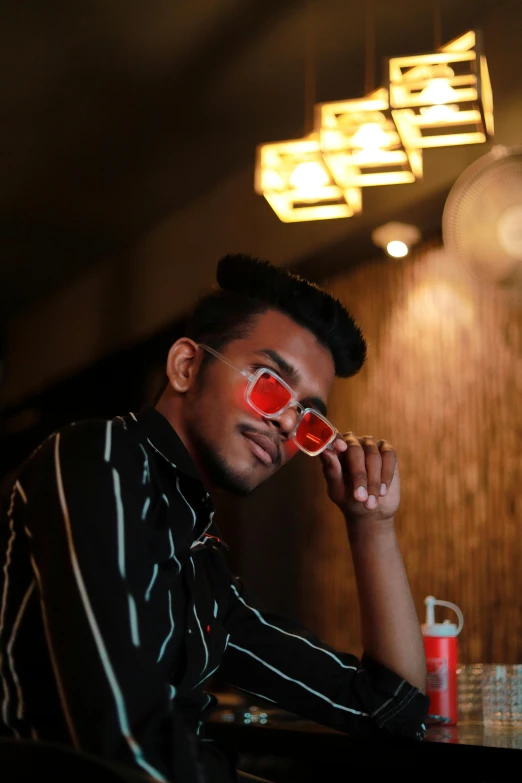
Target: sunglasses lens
(269, 395)
(313, 432)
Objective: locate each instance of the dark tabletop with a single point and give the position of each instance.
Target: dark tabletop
(303, 751)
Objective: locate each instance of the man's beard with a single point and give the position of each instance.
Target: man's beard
(219, 472)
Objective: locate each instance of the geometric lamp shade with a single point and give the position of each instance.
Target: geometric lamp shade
(360, 143)
(296, 182)
(443, 98)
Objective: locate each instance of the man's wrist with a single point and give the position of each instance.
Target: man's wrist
(369, 526)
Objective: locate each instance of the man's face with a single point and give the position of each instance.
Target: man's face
(235, 447)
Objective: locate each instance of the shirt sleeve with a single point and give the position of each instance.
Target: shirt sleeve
(83, 518)
(280, 660)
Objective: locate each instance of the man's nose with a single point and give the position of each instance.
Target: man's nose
(286, 421)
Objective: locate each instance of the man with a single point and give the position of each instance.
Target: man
(117, 603)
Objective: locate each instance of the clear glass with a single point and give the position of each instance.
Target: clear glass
(502, 695)
(469, 684)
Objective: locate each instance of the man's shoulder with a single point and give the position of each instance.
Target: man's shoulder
(88, 440)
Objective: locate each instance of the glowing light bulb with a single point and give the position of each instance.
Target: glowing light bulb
(370, 136)
(397, 249)
(309, 177)
(442, 113)
(438, 91)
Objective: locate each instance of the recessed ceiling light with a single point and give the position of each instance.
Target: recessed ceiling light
(396, 238)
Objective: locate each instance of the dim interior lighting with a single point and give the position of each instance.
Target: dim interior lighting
(443, 98)
(396, 238)
(397, 249)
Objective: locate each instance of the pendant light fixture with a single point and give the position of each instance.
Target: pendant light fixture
(443, 98)
(438, 99)
(359, 139)
(293, 175)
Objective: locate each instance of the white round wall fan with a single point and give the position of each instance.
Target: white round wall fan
(482, 219)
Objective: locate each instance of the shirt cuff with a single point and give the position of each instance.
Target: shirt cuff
(399, 707)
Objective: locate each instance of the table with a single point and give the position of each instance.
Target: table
(283, 747)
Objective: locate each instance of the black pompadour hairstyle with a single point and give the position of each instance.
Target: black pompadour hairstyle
(250, 286)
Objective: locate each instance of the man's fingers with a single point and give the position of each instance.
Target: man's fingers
(354, 467)
(331, 466)
(369, 466)
(339, 444)
(389, 463)
(373, 463)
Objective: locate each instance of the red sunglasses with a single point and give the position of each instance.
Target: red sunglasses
(270, 396)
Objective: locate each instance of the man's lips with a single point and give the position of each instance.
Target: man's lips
(266, 450)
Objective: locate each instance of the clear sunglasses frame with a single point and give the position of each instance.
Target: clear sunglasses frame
(253, 378)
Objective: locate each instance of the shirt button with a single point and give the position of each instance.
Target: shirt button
(189, 630)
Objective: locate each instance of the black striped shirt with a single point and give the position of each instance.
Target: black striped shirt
(117, 606)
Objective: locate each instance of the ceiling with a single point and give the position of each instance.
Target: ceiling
(117, 113)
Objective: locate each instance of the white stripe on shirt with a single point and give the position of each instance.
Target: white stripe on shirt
(403, 703)
(298, 682)
(172, 555)
(167, 640)
(54, 662)
(119, 522)
(14, 632)
(388, 701)
(21, 492)
(199, 625)
(287, 633)
(145, 508)
(133, 615)
(146, 469)
(102, 651)
(3, 610)
(160, 453)
(154, 575)
(206, 676)
(186, 501)
(108, 441)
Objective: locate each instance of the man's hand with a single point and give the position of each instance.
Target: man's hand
(362, 477)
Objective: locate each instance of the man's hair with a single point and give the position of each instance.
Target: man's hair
(249, 287)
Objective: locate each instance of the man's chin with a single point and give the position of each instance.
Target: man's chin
(225, 477)
(234, 483)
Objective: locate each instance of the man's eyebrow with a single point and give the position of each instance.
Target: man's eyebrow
(317, 403)
(294, 377)
(282, 365)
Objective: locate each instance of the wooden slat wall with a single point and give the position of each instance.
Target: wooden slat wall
(443, 383)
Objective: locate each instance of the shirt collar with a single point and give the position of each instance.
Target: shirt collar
(166, 440)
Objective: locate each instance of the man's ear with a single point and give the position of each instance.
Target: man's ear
(183, 364)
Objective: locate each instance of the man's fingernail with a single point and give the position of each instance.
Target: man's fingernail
(361, 493)
(383, 489)
(372, 501)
